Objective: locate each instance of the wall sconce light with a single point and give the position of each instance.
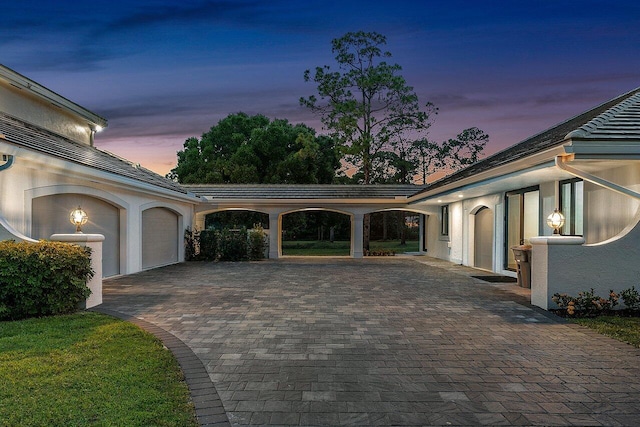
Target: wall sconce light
(78, 218)
(555, 221)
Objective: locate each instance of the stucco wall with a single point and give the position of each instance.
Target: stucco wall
(571, 268)
(607, 213)
(20, 104)
(28, 179)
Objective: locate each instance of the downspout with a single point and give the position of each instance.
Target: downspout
(8, 159)
(561, 162)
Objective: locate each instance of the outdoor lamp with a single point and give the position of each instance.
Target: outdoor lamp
(555, 221)
(78, 218)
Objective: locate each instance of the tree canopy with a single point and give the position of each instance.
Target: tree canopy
(376, 118)
(366, 105)
(243, 149)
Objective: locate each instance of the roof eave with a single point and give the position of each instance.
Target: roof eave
(48, 95)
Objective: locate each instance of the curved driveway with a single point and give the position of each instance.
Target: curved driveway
(386, 341)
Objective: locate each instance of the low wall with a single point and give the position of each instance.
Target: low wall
(563, 264)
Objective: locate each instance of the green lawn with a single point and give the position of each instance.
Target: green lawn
(625, 329)
(340, 248)
(88, 369)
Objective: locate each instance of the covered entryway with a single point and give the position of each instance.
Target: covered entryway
(50, 215)
(483, 238)
(160, 237)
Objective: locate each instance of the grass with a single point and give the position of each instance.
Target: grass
(340, 248)
(88, 369)
(625, 329)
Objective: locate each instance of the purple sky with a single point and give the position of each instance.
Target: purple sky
(161, 71)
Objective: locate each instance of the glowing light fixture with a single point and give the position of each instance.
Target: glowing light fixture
(98, 128)
(555, 221)
(78, 218)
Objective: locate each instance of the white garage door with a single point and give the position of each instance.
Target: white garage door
(160, 237)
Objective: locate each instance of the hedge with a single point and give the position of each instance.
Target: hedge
(42, 279)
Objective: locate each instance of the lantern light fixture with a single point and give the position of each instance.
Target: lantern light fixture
(78, 217)
(555, 221)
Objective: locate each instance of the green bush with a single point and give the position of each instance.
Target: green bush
(41, 279)
(232, 245)
(208, 245)
(631, 298)
(257, 243)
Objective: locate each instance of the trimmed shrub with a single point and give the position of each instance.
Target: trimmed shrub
(42, 279)
(232, 245)
(208, 245)
(257, 243)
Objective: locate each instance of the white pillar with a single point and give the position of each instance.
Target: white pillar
(275, 234)
(199, 221)
(357, 235)
(93, 241)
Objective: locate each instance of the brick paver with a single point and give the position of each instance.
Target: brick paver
(385, 341)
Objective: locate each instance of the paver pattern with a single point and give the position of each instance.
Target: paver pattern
(384, 341)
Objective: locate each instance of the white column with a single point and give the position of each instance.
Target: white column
(93, 241)
(357, 234)
(275, 234)
(199, 221)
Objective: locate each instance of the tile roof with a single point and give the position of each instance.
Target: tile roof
(610, 119)
(620, 122)
(285, 191)
(35, 138)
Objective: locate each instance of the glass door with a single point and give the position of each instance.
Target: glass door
(522, 220)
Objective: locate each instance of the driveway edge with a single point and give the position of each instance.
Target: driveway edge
(205, 398)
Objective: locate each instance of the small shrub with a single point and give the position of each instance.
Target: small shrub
(631, 298)
(191, 247)
(232, 245)
(587, 303)
(42, 279)
(257, 243)
(379, 252)
(208, 240)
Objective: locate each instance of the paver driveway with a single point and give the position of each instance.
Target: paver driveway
(381, 342)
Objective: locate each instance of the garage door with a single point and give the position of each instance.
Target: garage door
(160, 237)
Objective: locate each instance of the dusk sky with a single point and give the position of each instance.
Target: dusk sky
(161, 71)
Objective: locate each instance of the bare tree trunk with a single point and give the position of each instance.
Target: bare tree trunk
(366, 232)
(385, 226)
(402, 228)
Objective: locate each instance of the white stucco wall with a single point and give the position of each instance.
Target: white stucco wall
(572, 268)
(29, 178)
(607, 213)
(23, 105)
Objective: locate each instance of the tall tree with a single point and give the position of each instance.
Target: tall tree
(365, 104)
(447, 156)
(243, 149)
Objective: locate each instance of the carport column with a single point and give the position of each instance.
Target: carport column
(199, 221)
(357, 228)
(93, 241)
(274, 235)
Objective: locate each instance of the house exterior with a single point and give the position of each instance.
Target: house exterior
(49, 166)
(587, 166)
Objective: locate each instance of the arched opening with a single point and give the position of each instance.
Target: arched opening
(235, 219)
(395, 230)
(483, 239)
(316, 232)
(50, 215)
(160, 237)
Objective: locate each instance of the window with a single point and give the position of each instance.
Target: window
(522, 220)
(571, 206)
(444, 220)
